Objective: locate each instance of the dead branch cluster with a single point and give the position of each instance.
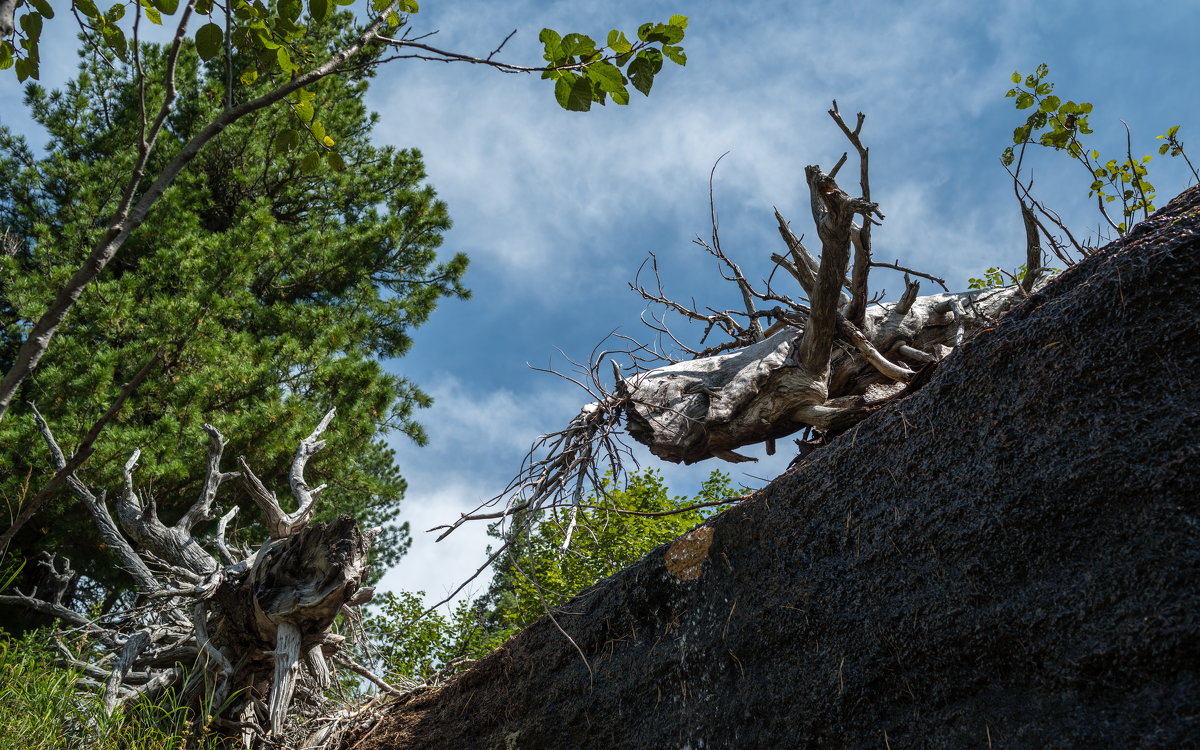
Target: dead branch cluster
(245, 638)
(809, 349)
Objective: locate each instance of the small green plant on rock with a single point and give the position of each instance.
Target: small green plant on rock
(1060, 125)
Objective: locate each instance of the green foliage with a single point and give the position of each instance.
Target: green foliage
(277, 41)
(1059, 125)
(998, 277)
(410, 647)
(536, 575)
(273, 288)
(584, 74)
(40, 711)
(1174, 147)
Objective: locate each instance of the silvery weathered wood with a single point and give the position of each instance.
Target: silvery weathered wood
(254, 626)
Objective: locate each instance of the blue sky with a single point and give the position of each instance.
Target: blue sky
(558, 209)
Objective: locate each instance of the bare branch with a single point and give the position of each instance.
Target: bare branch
(904, 269)
(202, 509)
(862, 237)
(280, 524)
(223, 550)
(129, 559)
(120, 671)
(911, 289)
(836, 211)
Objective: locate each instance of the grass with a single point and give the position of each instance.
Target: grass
(39, 709)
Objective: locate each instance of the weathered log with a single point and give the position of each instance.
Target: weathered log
(710, 407)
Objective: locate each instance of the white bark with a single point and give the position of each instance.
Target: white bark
(287, 668)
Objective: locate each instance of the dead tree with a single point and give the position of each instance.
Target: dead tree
(819, 356)
(246, 637)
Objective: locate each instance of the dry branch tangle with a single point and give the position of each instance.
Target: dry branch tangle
(822, 367)
(253, 634)
(709, 407)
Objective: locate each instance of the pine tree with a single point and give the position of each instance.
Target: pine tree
(271, 287)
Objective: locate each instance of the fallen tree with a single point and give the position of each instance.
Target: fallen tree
(1007, 559)
(245, 640)
(819, 356)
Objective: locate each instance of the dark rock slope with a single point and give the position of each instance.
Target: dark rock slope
(1009, 558)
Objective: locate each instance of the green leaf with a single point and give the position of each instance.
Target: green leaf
(208, 41)
(641, 73)
(335, 161)
(1016, 77)
(290, 9)
(286, 140)
(1025, 100)
(319, 10)
(660, 32)
(248, 77)
(607, 76)
(618, 43)
(31, 24)
(87, 8)
(6, 55)
(203, 7)
(285, 60)
(1146, 158)
(553, 44)
(166, 6)
(152, 13)
(1050, 104)
(577, 45)
(409, 6)
(1171, 131)
(380, 6)
(574, 93)
(317, 130)
(311, 162)
(674, 54)
(114, 39)
(115, 13)
(43, 7)
(621, 97)
(304, 110)
(393, 19)
(678, 21)
(26, 68)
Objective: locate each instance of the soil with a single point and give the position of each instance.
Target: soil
(1008, 558)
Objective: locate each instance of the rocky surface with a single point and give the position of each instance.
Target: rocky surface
(1008, 558)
